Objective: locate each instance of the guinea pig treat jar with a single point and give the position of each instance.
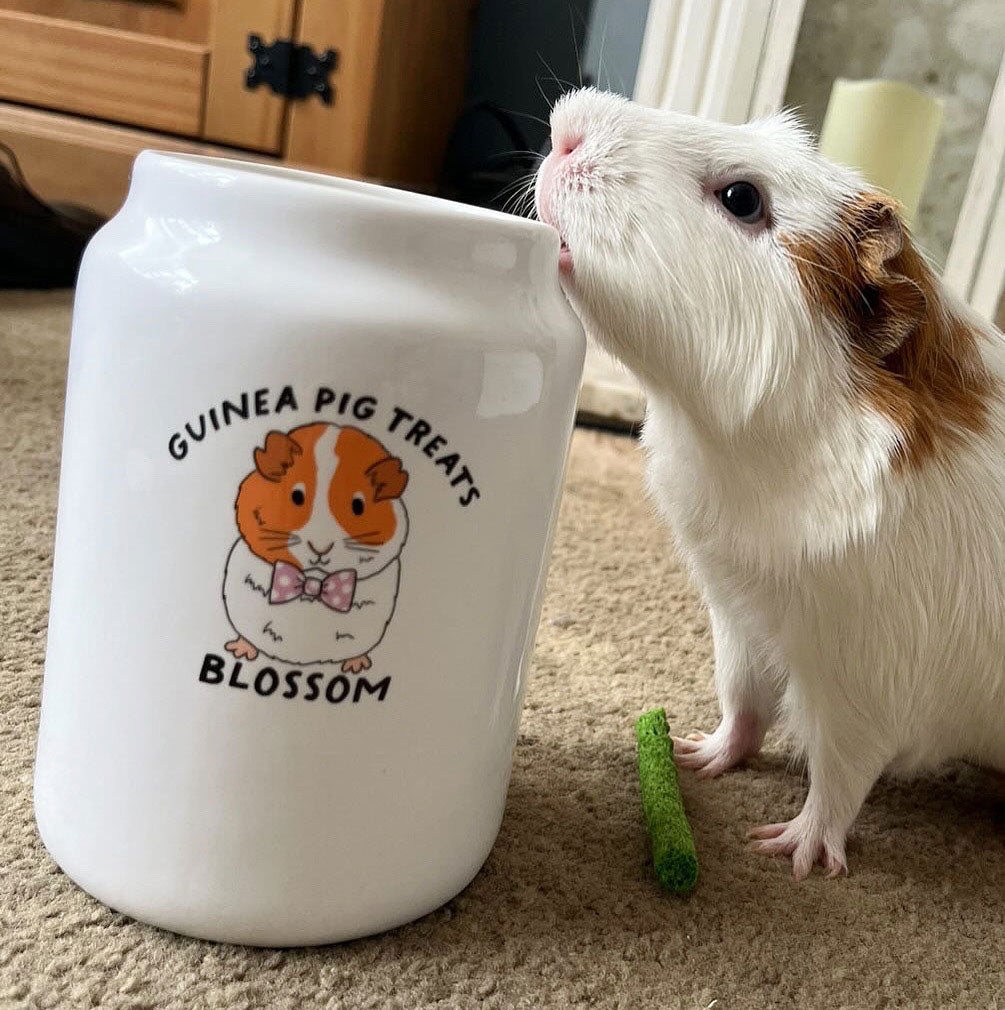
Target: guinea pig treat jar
(314, 443)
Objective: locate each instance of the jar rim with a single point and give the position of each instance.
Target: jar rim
(381, 197)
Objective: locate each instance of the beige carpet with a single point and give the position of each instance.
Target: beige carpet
(565, 912)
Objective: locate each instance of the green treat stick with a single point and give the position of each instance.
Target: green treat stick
(674, 856)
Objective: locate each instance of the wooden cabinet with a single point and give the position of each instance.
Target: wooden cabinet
(85, 84)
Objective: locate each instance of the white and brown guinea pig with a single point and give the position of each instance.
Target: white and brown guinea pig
(825, 435)
(313, 577)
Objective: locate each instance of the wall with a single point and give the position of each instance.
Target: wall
(948, 48)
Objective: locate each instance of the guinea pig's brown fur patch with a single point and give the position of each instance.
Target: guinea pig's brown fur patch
(912, 358)
(266, 512)
(365, 468)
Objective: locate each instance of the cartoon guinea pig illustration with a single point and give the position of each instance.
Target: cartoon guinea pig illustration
(313, 577)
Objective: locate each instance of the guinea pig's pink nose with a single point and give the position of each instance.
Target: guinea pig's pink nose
(564, 144)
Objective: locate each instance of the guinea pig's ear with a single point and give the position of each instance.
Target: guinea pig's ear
(892, 300)
(387, 478)
(278, 455)
(866, 273)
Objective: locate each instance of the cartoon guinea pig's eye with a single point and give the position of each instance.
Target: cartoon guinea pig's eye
(743, 201)
(298, 495)
(358, 504)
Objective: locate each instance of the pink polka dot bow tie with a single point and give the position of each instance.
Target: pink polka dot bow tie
(335, 591)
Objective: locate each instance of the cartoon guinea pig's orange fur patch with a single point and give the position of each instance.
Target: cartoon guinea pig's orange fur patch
(266, 512)
(365, 468)
(913, 360)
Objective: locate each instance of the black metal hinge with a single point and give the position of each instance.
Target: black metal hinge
(292, 70)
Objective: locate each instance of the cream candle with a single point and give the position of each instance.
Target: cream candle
(885, 129)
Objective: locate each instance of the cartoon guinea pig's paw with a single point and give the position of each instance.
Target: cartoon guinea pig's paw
(356, 665)
(806, 840)
(242, 649)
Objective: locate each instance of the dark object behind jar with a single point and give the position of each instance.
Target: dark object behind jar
(40, 244)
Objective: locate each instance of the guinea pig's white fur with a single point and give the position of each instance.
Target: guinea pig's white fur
(829, 453)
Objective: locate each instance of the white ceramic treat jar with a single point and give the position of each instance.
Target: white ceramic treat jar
(314, 443)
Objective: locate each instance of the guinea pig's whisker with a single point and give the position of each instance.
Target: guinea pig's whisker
(520, 199)
(671, 279)
(536, 119)
(512, 191)
(575, 42)
(523, 201)
(547, 100)
(815, 265)
(526, 152)
(601, 68)
(563, 85)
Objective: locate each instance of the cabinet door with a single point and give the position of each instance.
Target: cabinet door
(175, 66)
(235, 114)
(398, 85)
(180, 20)
(95, 70)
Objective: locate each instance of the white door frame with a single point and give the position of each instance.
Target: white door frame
(975, 266)
(722, 59)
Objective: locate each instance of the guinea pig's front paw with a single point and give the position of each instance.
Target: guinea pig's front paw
(711, 754)
(242, 649)
(804, 839)
(356, 665)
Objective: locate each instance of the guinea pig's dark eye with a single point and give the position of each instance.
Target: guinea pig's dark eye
(358, 504)
(743, 201)
(298, 497)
